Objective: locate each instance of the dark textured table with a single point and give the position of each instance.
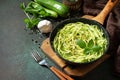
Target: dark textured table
(16, 62)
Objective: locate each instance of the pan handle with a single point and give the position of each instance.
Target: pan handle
(106, 10)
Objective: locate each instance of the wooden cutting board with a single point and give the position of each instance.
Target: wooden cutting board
(78, 71)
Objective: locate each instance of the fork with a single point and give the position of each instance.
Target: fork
(42, 62)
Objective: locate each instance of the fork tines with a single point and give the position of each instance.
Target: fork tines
(36, 56)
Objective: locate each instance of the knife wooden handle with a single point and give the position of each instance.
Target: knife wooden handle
(60, 74)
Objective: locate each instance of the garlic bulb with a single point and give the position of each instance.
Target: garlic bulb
(45, 26)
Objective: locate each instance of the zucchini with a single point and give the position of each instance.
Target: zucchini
(56, 6)
(51, 13)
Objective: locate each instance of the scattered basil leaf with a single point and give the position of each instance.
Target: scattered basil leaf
(88, 50)
(90, 43)
(81, 43)
(96, 48)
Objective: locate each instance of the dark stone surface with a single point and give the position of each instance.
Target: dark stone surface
(16, 62)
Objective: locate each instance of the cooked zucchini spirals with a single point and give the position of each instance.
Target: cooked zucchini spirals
(65, 42)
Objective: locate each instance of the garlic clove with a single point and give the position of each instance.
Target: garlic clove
(45, 26)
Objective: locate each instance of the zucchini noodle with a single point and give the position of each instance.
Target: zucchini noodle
(65, 42)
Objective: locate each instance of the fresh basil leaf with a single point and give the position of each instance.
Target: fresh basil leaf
(88, 50)
(35, 21)
(96, 48)
(29, 25)
(91, 43)
(22, 6)
(81, 43)
(26, 20)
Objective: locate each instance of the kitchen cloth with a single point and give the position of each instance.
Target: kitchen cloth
(112, 23)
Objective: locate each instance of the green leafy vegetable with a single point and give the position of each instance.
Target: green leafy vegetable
(30, 23)
(90, 48)
(91, 43)
(31, 20)
(22, 6)
(35, 12)
(96, 48)
(81, 43)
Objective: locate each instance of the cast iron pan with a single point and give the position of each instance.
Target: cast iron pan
(98, 20)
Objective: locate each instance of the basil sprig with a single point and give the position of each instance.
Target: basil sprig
(89, 47)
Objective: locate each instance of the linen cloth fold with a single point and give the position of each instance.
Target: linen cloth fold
(112, 23)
